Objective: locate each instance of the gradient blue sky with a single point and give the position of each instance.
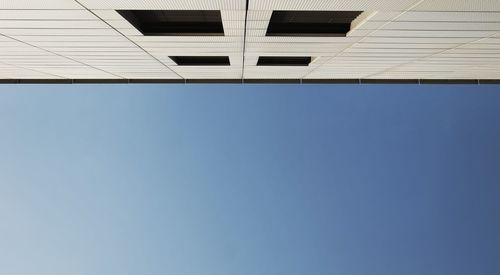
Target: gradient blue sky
(249, 180)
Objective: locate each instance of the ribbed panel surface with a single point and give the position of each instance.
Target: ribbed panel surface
(371, 5)
(391, 39)
(165, 5)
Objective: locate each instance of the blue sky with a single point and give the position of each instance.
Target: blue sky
(246, 180)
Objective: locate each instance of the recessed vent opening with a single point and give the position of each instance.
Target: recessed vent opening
(284, 61)
(175, 22)
(201, 60)
(311, 23)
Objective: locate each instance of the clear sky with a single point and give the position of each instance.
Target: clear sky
(249, 180)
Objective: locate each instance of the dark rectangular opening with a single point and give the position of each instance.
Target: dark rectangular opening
(201, 60)
(311, 23)
(284, 61)
(175, 22)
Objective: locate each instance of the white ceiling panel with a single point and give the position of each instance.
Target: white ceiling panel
(459, 5)
(372, 5)
(165, 5)
(39, 5)
(437, 16)
(62, 39)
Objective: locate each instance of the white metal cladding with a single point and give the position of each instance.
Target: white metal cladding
(391, 39)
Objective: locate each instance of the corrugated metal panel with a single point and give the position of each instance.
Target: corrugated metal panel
(371, 5)
(398, 39)
(459, 5)
(165, 5)
(39, 5)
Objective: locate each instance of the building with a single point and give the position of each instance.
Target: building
(304, 41)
